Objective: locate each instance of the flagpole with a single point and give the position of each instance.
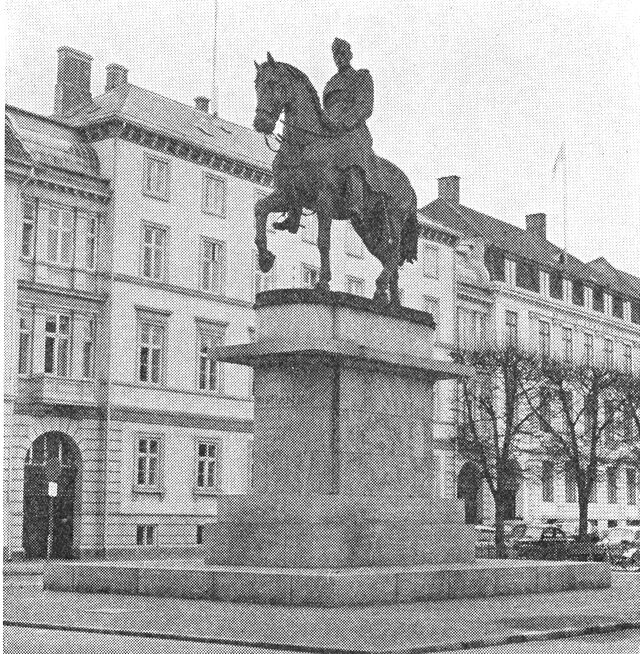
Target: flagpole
(564, 200)
(214, 86)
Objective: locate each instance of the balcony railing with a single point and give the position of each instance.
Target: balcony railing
(60, 390)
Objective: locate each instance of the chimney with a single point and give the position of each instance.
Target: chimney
(73, 85)
(202, 103)
(449, 189)
(537, 225)
(116, 75)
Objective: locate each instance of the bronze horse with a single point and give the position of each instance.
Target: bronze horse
(389, 228)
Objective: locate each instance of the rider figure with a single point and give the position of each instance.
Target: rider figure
(348, 102)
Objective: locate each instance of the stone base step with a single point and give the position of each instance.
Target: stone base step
(325, 587)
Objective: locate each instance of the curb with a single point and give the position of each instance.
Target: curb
(440, 647)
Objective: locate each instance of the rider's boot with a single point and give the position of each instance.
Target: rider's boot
(355, 199)
(292, 222)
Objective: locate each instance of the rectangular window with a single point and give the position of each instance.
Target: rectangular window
(612, 486)
(627, 363)
(88, 349)
(354, 285)
(494, 261)
(430, 267)
(146, 535)
(608, 353)
(24, 342)
(28, 228)
(90, 222)
(635, 311)
(310, 229)
(555, 286)
(263, 281)
(577, 293)
(150, 352)
(309, 276)
(154, 248)
(209, 377)
(60, 235)
(471, 329)
(545, 410)
(353, 244)
(148, 461)
(588, 349)
(156, 177)
(593, 495)
(567, 344)
(212, 266)
(547, 481)
(570, 488)
(527, 276)
(512, 328)
(598, 299)
(544, 338)
(213, 195)
(199, 534)
(631, 486)
(250, 465)
(208, 465)
(56, 345)
(617, 306)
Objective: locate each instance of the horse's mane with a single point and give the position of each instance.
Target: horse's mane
(298, 74)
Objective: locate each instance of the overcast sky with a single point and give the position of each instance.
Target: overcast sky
(484, 90)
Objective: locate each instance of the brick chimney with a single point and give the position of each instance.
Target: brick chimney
(116, 75)
(202, 103)
(449, 189)
(537, 225)
(73, 84)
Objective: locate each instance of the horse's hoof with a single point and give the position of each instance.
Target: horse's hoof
(266, 260)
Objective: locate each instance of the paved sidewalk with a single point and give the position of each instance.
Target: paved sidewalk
(431, 626)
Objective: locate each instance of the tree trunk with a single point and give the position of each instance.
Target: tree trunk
(583, 513)
(501, 550)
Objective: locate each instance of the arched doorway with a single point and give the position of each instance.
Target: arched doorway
(39, 510)
(470, 489)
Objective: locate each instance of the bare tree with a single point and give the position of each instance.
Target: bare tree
(492, 427)
(579, 409)
(631, 390)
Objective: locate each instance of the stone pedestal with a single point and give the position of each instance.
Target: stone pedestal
(343, 446)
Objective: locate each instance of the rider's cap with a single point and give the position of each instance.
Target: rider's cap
(340, 45)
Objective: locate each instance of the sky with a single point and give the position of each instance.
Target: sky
(487, 90)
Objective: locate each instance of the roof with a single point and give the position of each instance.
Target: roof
(153, 111)
(523, 244)
(13, 146)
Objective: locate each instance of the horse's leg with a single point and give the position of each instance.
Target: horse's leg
(325, 209)
(393, 288)
(389, 257)
(276, 201)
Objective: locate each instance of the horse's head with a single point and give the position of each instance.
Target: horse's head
(272, 93)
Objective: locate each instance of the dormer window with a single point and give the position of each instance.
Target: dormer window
(494, 261)
(527, 276)
(577, 294)
(555, 286)
(598, 299)
(617, 306)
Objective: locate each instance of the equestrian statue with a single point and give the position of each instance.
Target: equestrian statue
(326, 164)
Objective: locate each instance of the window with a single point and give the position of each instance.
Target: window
(150, 351)
(631, 487)
(617, 306)
(555, 286)
(567, 344)
(354, 285)
(309, 275)
(212, 266)
(432, 305)
(146, 535)
(263, 281)
(544, 338)
(598, 299)
(608, 353)
(88, 347)
(545, 410)
(547, 481)
(28, 228)
(353, 244)
(250, 465)
(570, 488)
(471, 328)
(310, 229)
(56, 345)
(527, 276)
(24, 342)
(148, 461)
(588, 349)
(213, 195)
(199, 534)
(154, 246)
(627, 362)
(612, 486)
(207, 474)
(593, 494)
(90, 222)
(494, 261)
(635, 311)
(512, 328)
(60, 235)
(209, 377)
(430, 255)
(577, 294)
(156, 177)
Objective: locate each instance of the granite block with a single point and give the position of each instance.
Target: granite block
(422, 585)
(184, 583)
(101, 578)
(59, 576)
(251, 586)
(332, 589)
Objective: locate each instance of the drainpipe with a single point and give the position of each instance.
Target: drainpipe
(14, 385)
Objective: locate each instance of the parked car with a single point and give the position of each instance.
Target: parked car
(485, 534)
(619, 543)
(541, 542)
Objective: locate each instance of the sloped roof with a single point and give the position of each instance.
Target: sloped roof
(153, 111)
(13, 147)
(523, 244)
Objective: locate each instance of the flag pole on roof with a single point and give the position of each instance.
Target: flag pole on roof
(214, 84)
(561, 162)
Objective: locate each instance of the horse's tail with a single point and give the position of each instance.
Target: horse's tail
(410, 232)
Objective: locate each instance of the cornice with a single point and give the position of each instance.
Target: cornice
(167, 144)
(439, 236)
